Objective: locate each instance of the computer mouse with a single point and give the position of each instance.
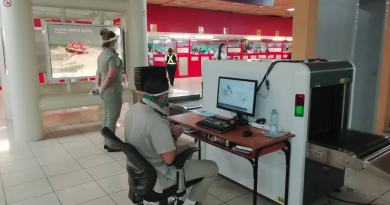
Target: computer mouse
(247, 133)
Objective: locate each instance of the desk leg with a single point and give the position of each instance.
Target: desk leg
(200, 151)
(287, 152)
(255, 166)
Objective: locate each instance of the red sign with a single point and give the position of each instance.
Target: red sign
(7, 3)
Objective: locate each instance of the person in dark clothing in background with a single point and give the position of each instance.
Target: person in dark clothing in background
(171, 63)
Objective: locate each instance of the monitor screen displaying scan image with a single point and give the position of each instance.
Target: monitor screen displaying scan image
(237, 95)
(74, 49)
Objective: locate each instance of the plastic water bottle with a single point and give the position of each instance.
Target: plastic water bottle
(273, 127)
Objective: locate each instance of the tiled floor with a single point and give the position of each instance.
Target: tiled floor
(70, 167)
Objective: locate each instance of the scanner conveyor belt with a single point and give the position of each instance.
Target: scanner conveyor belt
(352, 149)
(360, 143)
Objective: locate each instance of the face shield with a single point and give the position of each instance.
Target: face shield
(155, 97)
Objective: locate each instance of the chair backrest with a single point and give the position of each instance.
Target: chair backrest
(142, 175)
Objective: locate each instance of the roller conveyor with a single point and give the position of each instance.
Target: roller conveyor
(352, 149)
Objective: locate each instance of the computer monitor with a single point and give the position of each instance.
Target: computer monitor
(237, 95)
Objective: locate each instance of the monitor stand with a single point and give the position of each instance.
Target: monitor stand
(240, 121)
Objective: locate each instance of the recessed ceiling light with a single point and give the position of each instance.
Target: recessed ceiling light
(261, 6)
(290, 9)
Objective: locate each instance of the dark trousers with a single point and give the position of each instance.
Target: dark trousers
(171, 69)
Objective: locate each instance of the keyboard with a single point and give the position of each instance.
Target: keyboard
(217, 124)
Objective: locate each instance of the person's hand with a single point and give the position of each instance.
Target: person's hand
(100, 90)
(176, 130)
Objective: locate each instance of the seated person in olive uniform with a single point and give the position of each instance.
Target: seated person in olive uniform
(148, 130)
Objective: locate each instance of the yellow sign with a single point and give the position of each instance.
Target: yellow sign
(276, 33)
(47, 20)
(280, 199)
(225, 31)
(259, 32)
(153, 27)
(117, 23)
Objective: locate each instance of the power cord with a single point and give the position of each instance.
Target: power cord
(265, 78)
(349, 202)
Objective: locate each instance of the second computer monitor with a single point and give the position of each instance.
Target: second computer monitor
(237, 95)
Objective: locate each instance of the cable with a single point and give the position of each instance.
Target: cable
(349, 202)
(265, 78)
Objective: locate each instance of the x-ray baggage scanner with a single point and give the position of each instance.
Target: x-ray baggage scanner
(314, 102)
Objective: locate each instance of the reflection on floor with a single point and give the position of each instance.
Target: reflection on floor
(71, 167)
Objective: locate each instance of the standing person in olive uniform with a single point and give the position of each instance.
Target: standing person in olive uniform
(109, 80)
(171, 63)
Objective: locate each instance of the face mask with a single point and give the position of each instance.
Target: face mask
(115, 46)
(155, 97)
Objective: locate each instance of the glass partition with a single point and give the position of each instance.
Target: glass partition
(287, 47)
(234, 43)
(257, 46)
(182, 42)
(214, 44)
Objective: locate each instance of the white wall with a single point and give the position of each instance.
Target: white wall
(5, 82)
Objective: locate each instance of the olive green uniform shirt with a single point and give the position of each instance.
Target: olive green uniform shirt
(107, 58)
(150, 132)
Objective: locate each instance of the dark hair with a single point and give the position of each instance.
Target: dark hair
(170, 50)
(155, 84)
(219, 50)
(106, 35)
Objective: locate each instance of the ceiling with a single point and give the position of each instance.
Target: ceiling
(279, 9)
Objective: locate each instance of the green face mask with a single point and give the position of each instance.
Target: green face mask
(153, 98)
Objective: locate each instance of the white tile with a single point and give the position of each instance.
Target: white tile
(85, 152)
(49, 199)
(71, 138)
(95, 160)
(246, 199)
(77, 144)
(2, 197)
(61, 168)
(381, 202)
(122, 198)
(13, 156)
(54, 158)
(27, 190)
(7, 146)
(106, 170)
(226, 190)
(100, 201)
(70, 179)
(350, 195)
(117, 155)
(95, 138)
(123, 163)
(386, 197)
(40, 151)
(115, 183)
(366, 183)
(19, 165)
(80, 194)
(21, 177)
(43, 143)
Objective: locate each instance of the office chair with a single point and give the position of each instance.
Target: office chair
(143, 176)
